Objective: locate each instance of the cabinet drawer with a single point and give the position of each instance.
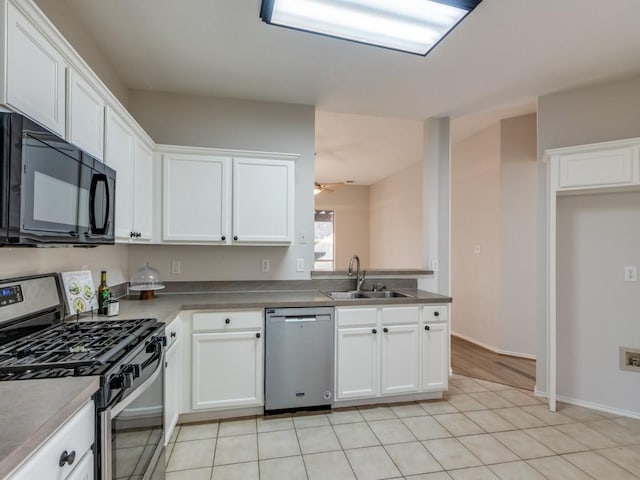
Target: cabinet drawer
(400, 315)
(203, 321)
(356, 317)
(77, 435)
(435, 313)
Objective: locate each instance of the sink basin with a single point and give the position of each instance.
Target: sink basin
(354, 294)
(345, 295)
(385, 294)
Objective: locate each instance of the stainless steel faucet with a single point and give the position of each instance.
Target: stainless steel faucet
(359, 279)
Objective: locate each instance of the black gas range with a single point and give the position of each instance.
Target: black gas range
(127, 355)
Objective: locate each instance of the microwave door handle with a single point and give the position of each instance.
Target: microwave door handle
(98, 178)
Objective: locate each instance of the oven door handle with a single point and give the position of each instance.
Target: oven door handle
(126, 401)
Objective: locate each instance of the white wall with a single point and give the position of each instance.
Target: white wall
(494, 210)
(81, 40)
(234, 124)
(395, 221)
(609, 111)
(599, 113)
(597, 311)
(475, 221)
(351, 222)
(16, 262)
(518, 234)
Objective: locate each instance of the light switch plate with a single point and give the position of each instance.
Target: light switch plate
(630, 273)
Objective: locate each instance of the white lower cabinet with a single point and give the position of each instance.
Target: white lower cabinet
(435, 356)
(380, 351)
(172, 377)
(357, 362)
(85, 469)
(72, 443)
(227, 362)
(400, 362)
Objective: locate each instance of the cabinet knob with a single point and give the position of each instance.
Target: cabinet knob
(223, 238)
(227, 321)
(374, 331)
(132, 234)
(67, 457)
(235, 237)
(385, 330)
(257, 335)
(436, 314)
(173, 334)
(426, 327)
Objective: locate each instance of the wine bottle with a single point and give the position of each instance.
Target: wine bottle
(103, 294)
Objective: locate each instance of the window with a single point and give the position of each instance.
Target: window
(323, 245)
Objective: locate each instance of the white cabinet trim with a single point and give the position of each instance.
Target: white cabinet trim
(629, 151)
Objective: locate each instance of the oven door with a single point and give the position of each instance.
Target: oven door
(132, 430)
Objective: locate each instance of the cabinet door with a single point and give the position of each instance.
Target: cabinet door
(84, 469)
(196, 198)
(143, 191)
(172, 387)
(435, 356)
(400, 359)
(35, 73)
(263, 193)
(357, 362)
(119, 155)
(227, 369)
(86, 116)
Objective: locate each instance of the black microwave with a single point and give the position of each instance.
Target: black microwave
(51, 192)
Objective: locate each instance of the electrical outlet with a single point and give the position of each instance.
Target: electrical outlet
(266, 265)
(476, 249)
(630, 273)
(176, 267)
(300, 265)
(434, 265)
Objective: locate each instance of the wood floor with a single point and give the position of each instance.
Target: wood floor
(472, 360)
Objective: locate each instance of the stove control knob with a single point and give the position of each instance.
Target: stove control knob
(127, 380)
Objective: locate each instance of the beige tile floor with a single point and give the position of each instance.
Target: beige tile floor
(481, 430)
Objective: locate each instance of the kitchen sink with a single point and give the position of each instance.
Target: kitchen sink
(385, 294)
(345, 295)
(352, 295)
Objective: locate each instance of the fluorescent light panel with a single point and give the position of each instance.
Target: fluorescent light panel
(413, 26)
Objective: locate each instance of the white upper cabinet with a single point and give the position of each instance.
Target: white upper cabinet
(119, 155)
(263, 193)
(196, 198)
(85, 116)
(142, 226)
(588, 169)
(220, 199)
(35, 73)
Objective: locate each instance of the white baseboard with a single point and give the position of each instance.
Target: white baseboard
(494, 349)
(599, 407)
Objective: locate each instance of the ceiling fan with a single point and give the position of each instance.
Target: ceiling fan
(327, 187)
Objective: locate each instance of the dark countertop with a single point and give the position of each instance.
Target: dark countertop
(32, 410)
(165, 306)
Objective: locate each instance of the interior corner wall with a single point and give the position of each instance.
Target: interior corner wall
(395, 220)
(597, 311)
(518, 235)
(202, 121)
(475, 207)
(350, 204)
(71, 28)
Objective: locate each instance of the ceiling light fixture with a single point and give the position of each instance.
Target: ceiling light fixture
(413, 26)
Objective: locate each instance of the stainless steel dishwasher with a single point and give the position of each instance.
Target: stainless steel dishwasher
(298, 359)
